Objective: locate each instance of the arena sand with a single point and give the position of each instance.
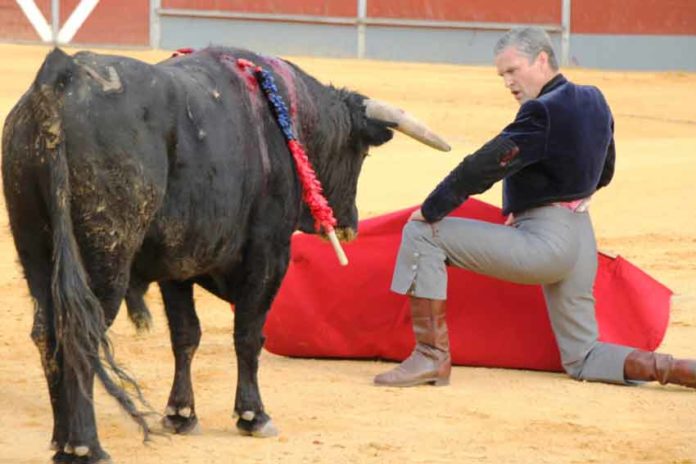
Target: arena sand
(328, 411)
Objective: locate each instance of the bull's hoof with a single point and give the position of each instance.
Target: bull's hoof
(256, 425)
(142, 320)
(63, 457)
(174, 423)
(93, 457)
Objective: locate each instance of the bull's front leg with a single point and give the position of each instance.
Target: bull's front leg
(255, 300)
(185, 333)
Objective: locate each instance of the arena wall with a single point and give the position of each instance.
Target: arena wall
(634, 34)
(614, 34)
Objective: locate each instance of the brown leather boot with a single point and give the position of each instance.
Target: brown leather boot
(430, 361)
(647, 365)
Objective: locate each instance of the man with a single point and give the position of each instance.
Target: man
(556, 153)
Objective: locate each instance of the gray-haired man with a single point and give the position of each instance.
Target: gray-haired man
(556, 153)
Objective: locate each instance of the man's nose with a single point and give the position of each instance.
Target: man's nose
(508, 81)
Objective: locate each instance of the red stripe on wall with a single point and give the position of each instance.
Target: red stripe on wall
(15, 26)
(668, 17)
(342, 8)
(503, 11)
(126, 22)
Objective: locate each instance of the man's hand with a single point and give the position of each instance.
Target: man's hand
(417, 216)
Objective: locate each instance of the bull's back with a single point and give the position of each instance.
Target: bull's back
(175, 163)
(228, 167)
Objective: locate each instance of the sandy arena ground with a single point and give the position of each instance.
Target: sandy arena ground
(328, 411)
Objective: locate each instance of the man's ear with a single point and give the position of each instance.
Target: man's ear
(543, 59)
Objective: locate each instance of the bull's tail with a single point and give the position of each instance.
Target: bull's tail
(79, 317)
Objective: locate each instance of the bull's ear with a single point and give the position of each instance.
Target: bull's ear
(365, 130)
(376, 132)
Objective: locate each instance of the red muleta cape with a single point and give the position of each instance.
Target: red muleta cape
(326, 310)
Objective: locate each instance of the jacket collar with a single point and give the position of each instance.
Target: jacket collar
(557, 81)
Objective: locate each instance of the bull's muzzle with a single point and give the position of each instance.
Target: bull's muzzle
(344, 234)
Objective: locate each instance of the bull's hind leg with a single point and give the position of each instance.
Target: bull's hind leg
(108, 281)
(33, 240)
(29, 219)
(82, 445)
(263, 277)
(185, 333)
(73, 412)
(44, 337)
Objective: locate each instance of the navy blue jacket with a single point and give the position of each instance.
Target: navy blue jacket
(560, 147)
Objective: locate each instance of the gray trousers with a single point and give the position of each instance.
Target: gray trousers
(550, 245)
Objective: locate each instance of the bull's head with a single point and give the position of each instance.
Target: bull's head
(345, 141)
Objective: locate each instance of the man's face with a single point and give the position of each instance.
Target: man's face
(524, 79)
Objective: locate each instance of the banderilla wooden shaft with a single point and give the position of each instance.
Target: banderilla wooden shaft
(340, 254)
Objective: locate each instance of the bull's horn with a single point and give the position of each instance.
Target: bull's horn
(405, 123)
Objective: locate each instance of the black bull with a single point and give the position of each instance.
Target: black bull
(118, 173)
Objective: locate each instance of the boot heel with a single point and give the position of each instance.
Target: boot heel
(430, 361)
